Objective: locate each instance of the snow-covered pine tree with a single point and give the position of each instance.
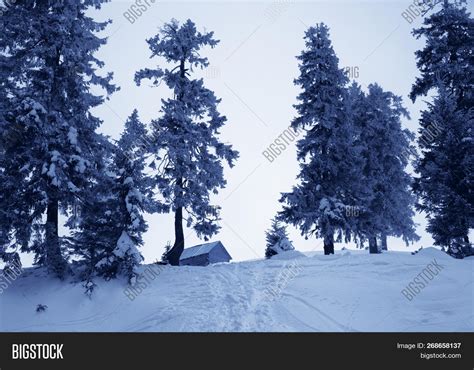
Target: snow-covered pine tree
(49, 68)
(277, 239)
(445, 176)
(445, 173)
(96, 228)
(387, 195)
(327, 154)
(135, 196)
(185, 137)
(447, 55)
(7, 250)
(22, 202)
(112, 223)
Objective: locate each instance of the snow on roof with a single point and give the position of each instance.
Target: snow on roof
(199, 250)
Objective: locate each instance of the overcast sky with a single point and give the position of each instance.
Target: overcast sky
(252, 70)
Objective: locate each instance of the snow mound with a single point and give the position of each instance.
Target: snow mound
(283, 245)
(288, 255)
(431, 252)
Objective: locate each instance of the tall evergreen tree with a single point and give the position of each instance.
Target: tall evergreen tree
(22, 199)
(111, 224)
(327, 154)
(445, 175)
(447, 56)
(48, 51)
(95, 227)
(135, 195)
(185, 137)
(387, 196)
(445, 172)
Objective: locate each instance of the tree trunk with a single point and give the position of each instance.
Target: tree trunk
(55, 262)
(383, 241)
(373, 249)
(54, 259)
(175, 253)
(329, 244)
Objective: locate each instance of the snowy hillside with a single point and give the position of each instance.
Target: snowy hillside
(349, 291)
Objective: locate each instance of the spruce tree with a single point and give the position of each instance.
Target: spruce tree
(389, 203)
(445, 173)
(111, 225)
(277, 239)
(445, 176)
(184, 138)
(50, 71)
(327, 153)
(447, 57)
(134, 195)
(95, 225)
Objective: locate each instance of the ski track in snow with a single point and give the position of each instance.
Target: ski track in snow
(351, 291)
(318, 315)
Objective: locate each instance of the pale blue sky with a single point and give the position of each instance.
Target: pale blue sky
(252, 70)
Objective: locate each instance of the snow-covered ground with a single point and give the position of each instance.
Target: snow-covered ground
(350, 291)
